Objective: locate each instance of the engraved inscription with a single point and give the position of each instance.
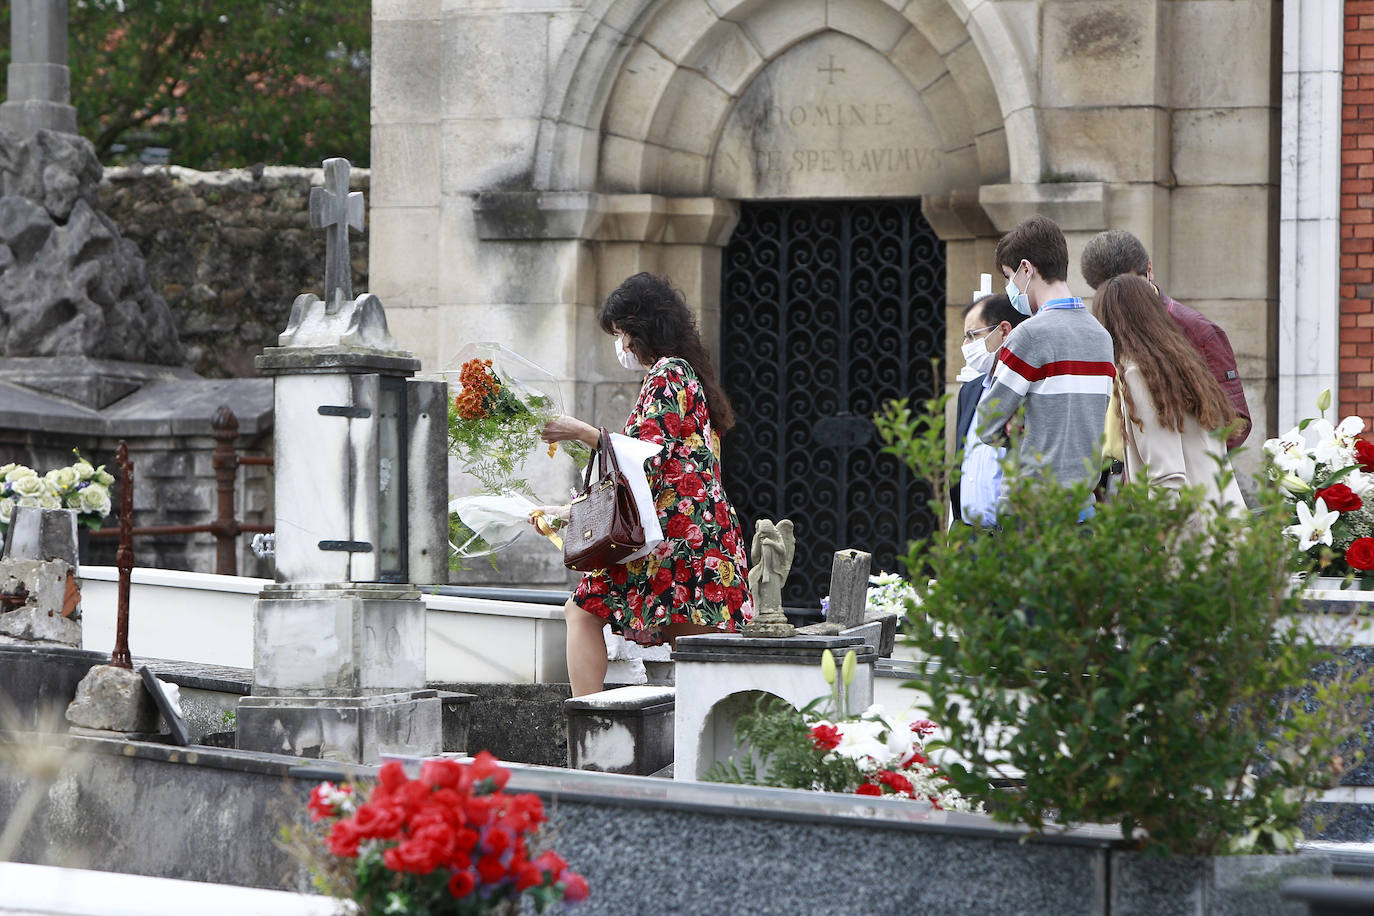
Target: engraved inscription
(832, 117)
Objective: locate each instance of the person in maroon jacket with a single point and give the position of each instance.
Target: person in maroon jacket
(1117, 251)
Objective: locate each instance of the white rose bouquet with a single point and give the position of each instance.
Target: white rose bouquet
(80, 486)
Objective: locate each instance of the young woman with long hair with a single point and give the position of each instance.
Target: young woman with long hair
(1172, 407)
(696, 580)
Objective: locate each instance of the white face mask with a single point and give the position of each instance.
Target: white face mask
(1019, 300)
(977, 357)
(627, 358)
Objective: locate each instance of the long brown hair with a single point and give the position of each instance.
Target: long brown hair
(655, 317)
(1179, 382)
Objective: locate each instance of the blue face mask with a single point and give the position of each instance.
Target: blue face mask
(1019, 300)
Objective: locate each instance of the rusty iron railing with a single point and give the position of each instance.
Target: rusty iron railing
(225, 527)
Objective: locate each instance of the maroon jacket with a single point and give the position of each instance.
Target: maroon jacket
(1210, 341)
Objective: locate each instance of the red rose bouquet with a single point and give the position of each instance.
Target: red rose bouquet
(450, 842)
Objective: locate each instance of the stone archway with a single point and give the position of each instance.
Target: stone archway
(639, 98)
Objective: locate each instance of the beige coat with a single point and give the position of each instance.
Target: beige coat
(1174, 460)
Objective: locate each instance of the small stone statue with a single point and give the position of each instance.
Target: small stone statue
(770, 560)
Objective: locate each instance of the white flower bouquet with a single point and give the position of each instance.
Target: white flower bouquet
(1327, 473)
(79, 486)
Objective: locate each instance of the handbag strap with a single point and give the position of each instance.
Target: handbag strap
(605, 459)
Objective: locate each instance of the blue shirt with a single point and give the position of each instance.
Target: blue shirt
(980, 482)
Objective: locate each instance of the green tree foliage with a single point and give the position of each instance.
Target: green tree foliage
(221, 83)
(1135, 668)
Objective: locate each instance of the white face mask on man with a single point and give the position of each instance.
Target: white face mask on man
(627, 358)
(977, 356)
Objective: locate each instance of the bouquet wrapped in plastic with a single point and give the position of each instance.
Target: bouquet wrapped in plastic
(499, 403)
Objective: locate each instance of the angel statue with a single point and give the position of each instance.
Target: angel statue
(770, 560)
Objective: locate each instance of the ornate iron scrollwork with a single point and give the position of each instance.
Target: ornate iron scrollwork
(828, 311)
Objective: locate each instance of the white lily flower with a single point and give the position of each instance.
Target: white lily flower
(859, 740)
(1313, 527)
(1336, 445)
(1291, 455)
(1361, 482)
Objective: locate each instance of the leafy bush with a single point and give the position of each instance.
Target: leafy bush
(1136, 668)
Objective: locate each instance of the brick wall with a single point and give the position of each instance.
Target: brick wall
(1357, 214)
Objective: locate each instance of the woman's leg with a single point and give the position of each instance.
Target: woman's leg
(586, 650)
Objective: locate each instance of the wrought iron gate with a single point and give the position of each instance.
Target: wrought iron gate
(828, 311)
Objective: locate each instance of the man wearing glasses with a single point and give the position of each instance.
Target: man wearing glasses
(987, 322)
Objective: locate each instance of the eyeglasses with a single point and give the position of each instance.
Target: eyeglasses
(971, 336)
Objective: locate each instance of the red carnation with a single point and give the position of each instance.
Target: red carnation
(490, 869)
(343, 839)
(897, 782)
(682, 571)
(486, 766)
(715, 592)
(734, 597)
(1339, 497)
(672, 423)
(680, 595)
(462, 883)
(1360, 554)
(868, 788)
(825, 737)
(1364, 454)
(575, 887)
(722, 512)
(378, 820)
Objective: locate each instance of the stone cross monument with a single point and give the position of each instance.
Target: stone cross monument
(39, 90)
(361, 495)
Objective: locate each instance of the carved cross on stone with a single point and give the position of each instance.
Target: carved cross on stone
(335, 210)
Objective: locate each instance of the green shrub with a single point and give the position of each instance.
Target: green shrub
(1135, 668)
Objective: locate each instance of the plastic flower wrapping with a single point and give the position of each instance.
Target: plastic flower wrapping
(451, 842)
(80, 486)
(1326, 472)
(498, 403)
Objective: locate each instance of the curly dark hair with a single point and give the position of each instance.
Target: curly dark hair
(654, 315)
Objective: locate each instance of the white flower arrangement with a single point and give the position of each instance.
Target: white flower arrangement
(79, 486)
(1327, 472)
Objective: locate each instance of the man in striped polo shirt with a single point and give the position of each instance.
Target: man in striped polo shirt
(1058, 366)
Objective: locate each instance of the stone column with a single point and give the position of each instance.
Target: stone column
(1309, 206)
(39, 89)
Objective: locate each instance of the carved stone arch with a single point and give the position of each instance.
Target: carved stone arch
(645, 86)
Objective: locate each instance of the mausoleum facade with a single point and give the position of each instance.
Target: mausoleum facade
(794, 165)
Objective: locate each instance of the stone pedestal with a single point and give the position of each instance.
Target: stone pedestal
(336, 672)
(346, 640)
(358, 729)
(625, 730)
(720, 678)
(40, 600)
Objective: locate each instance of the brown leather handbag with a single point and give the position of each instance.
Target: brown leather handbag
(603, 521)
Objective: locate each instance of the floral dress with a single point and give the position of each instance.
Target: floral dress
(699, 573)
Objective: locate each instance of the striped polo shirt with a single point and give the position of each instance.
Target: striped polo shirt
(1059, 366)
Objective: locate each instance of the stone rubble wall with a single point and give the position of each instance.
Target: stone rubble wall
(229, 251)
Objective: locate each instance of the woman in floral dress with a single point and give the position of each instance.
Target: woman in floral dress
(696, 580)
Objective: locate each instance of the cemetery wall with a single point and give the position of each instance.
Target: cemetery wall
(1357, 212)
(229, 251)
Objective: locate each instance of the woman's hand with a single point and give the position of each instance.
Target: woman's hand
(555, 516)
(563, 429)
